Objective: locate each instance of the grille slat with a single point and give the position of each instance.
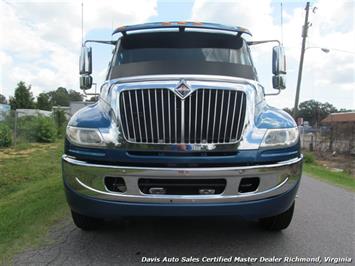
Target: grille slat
(204, 116)
(196, 112)
(220, 116)
(156, 114)
(145, 119)
(150, 117)
(189, 139)
(214, 114)
(132, 121)
(208, 115)
(169, 117)
(182, 121)
(203, 104)
(240, 113)
(125, 116)
(226, 126)
(163, 111)
(175, 112)
(139, 117)
(234, 108)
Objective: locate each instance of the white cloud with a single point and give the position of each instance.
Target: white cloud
(326, 77)
(40, 40)
(241, 13)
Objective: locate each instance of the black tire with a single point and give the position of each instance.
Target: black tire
(84, 222)
(278, 222)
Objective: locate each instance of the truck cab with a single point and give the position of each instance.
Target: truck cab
(181, 128)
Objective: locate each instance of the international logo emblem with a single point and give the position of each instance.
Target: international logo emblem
(182, 89)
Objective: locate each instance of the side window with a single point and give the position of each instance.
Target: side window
(113, 59)
(252, 62)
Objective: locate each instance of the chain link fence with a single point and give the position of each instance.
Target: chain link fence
(24, 126)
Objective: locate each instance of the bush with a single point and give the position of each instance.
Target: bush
(308, 158)
(45, 129)
(5, 136)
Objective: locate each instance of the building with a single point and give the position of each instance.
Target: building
(336, 118)
(341, 131)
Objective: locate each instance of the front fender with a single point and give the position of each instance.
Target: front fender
(96, 115)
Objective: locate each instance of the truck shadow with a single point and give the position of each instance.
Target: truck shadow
(187, 236)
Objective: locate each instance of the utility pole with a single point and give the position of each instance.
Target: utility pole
(300, 68)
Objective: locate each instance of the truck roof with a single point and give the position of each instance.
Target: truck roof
(181, 25)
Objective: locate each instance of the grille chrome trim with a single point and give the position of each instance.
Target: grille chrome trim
(192, 116)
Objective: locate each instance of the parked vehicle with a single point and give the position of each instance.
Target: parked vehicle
(182, 128)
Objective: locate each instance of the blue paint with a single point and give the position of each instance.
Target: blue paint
(271, 117)
(277, 155)
(92, 116)
(89, 153)
(242, 157)
(114, 209)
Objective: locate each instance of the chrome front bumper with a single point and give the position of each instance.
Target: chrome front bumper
(88, 179)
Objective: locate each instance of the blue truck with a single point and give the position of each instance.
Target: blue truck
(181, 128)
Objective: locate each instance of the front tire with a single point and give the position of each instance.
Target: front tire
(84, 222)
(278, 222)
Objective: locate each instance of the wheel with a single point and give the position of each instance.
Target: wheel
(278, 222)
(84, 222)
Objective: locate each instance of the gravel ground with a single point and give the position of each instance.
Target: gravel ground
(323, 225)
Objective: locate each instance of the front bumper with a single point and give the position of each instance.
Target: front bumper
(87, 194)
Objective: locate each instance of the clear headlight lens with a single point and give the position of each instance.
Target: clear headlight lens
(282, 137)
(85, 136)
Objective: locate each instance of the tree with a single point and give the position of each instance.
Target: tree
(314, 111)
(23, 97)
(3, 99)
(75, 96)
(62, 97)
(43, 102)
(344, 110)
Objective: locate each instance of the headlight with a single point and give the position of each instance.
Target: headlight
(282, 137)
(85, 136)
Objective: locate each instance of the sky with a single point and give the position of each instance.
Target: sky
(40, 41)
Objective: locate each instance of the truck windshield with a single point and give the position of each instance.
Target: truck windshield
(188, 46)
(182, 53)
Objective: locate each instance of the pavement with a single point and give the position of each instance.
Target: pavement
(323, 225)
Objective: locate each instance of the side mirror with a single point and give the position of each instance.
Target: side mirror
(278, 60)
(279, 82)
(85, 82)
(85, 61)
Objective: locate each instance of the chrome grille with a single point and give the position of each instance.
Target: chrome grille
(160, 116)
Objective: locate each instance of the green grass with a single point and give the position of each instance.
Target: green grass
(338, 178)
(32, 196)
